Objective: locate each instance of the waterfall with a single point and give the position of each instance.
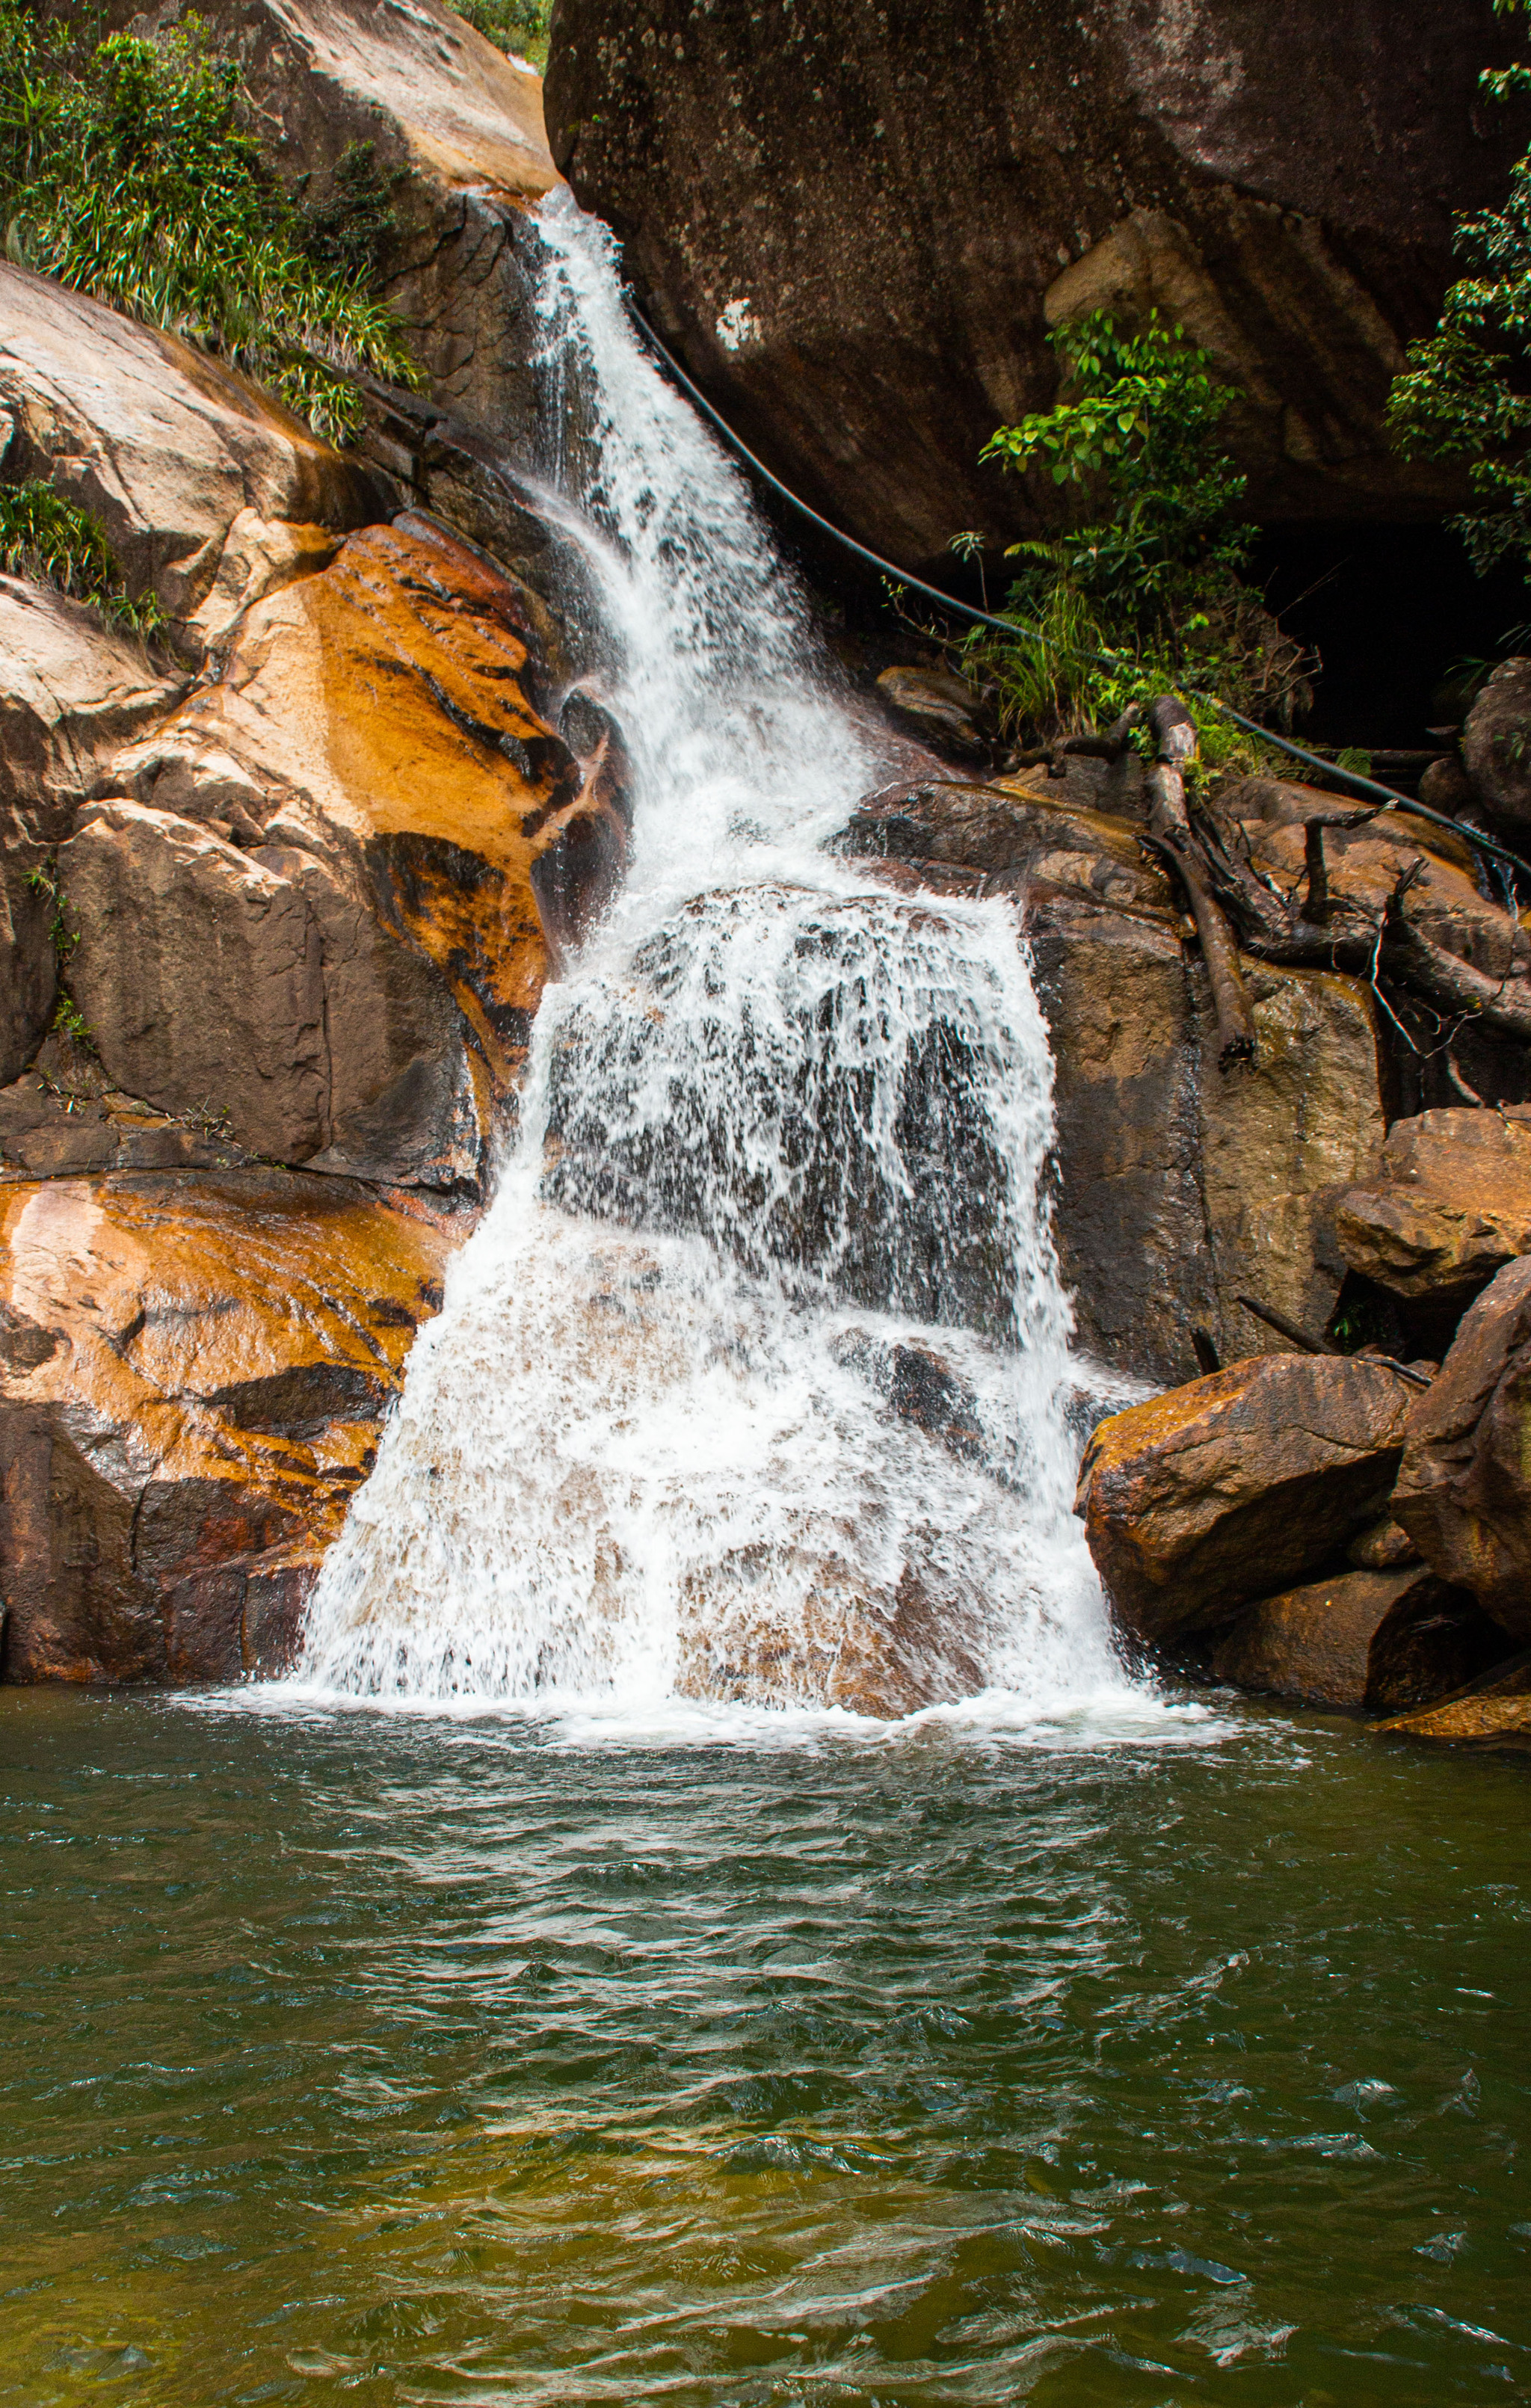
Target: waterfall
(753, 1384)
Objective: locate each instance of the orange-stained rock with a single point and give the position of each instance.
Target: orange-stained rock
(1387, 1639)
(194, 1369)
(1233, 1487)
(1450, 1203)
(1494, 1710)
(321, 917)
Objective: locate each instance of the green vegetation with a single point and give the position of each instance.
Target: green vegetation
(1463, 395)
(1153, 579)
(67, 1017)
(517, 26)
(55, 542)
(126, 172)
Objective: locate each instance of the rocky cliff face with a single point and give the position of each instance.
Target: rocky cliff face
(858, 222)
(292, 878)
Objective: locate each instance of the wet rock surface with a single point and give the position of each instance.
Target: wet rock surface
(1236, 1486)
(1385, 1641)
(194, 1372)
(1449, 1204)
(1464, 1490)
(1180, 1186)
(1492, 1712)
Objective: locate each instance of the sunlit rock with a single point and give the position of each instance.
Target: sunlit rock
(208, 490)
(1235, 1486)
(1449, 1206)
(335, 845)
(195, 1374)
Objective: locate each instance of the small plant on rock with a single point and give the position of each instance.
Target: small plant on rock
(51, 540)
(1152, 579)
(129, 174)
(1466, 393)
(519, 27)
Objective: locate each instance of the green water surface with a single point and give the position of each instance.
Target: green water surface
(383, 2059)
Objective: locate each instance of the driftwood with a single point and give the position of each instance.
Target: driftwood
(1306, 1343)
(1170, 828)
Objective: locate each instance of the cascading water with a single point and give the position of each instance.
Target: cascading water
(777, 1171)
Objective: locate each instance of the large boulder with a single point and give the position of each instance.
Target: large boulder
(1449, 1206)
(1463, 1491)
(341, 847)
(1496, 745)
(210, 493)
(857, 221)
(1238, 1485)
(1183, 1186)
(194, 1372)
(1386, 1641)
(1130, 1217)
(72, 692)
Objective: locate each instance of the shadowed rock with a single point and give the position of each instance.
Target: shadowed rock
(857, 221)
(1384, 1640)
(1464, 1491)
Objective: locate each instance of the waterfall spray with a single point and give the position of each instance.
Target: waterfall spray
(783, 1129)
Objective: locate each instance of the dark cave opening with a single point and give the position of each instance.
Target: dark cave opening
(1392, 610)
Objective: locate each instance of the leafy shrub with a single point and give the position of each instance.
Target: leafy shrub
(517, 26)
(127, 174)
(54, 542)
(1152, 578)
(1461, 395)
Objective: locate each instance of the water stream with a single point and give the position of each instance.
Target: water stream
(782, 1144)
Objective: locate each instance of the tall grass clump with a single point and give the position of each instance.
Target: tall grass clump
(126, 172)
(52, 541)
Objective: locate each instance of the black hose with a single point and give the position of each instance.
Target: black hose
(1387, 798)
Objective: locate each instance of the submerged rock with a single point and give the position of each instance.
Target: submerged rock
(1449, 1206)
(1463, 1491)
(196, 1369)
(1211, 1497)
